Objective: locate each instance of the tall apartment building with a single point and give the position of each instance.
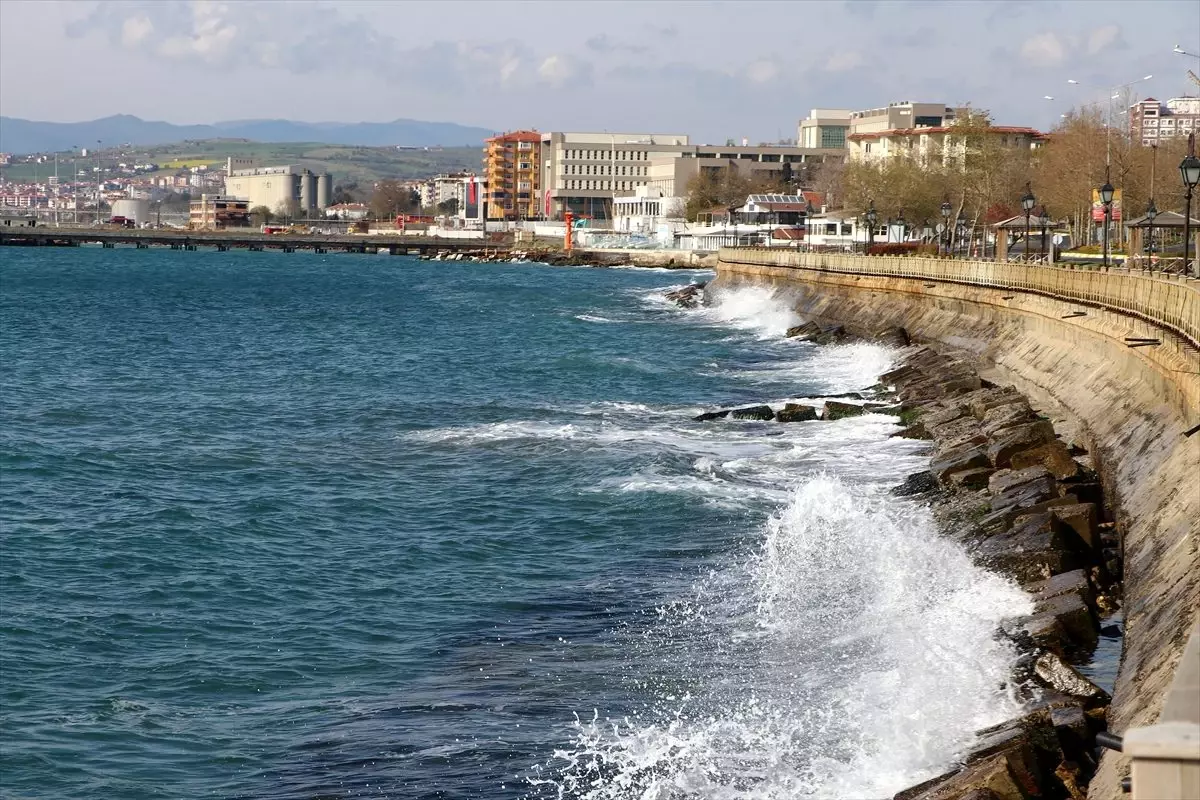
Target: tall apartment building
(512, 169)
(1151, 121)
(824, 128)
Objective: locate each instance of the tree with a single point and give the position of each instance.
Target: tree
(343, 193)
(723, 188)
(785, 177)
(448, 207)
(390, 199)
(261, 215)
(286, 210)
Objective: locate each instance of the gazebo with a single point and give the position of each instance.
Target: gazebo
(1171, 220)
(1039, 226)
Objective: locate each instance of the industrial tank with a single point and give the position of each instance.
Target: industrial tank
(136, 210)
(324, 190)
(308, 186)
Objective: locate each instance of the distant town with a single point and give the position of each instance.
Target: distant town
(911, 174)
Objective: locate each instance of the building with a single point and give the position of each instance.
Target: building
(935, 136)
(215, 212)
(287, 190)
(348, 211)
(511, 166)
(586, 172)
(824, 128)
(1151, 121)
(900, 116)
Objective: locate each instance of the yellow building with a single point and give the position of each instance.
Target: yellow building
(511, 165)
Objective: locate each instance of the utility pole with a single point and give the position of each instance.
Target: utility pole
(99, 183)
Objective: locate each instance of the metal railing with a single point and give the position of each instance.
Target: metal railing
(1169, 300)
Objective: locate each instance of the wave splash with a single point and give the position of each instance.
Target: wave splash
(849, 657)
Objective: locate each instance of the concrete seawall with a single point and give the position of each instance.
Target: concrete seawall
(1059, 332)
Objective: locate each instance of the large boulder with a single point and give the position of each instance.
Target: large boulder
(1074, 615)
(796, 412)
(1056, 674)
(893, 337)
(687, 297)
(1017, 439)
(805, 330)
(954, 461)
(711, 415)
(753, 412)
(835, 410)
(917, 483)
(1053, 455)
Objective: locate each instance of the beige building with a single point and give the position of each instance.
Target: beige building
(824, 128)
(284, 190)
(901, 116)
(585, 172)
(214, 212)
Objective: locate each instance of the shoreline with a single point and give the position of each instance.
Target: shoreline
(1022, 495)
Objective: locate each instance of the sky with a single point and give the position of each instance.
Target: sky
(713, 70)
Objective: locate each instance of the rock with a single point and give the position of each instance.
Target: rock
(807, 329)
(753, 412)
(1009, 415)
(1019, 438)
(1045, 631)
(956, 429)
(795, 412)
(987, 399)
(1074, 582)
(688, 296)
(970, 457)
(917, 483)
(1073, 614)
(1080, 521)
(1031, 551)
(709, 415)
(893, 337)
(1056, 674)
(1071, 727)
(835, 410)
(1068, 774)
(829, 335)
(1004, 479)
(1053, 455)
(936, 419)
(916, 431)
(971, 478)
(993, 776)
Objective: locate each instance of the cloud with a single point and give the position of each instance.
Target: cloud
(605, 44)
(761, 71)
(135, 30)
(1105, 38)
(844, 61)
(1044, 50)
(559, 70)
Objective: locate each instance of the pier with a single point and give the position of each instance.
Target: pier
(244, 240)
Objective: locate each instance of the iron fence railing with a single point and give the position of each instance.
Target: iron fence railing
(1171, 300)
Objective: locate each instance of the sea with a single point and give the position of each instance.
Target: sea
(355, 526)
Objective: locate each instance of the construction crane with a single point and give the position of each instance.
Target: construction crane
(1192, 75)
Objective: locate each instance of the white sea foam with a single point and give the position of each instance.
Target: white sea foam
(594, 318)
(864, 660)
(764, 310)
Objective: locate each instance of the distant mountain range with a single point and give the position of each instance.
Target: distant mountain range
(27, 136)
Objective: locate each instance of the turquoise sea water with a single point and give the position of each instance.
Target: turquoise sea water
(299, 526)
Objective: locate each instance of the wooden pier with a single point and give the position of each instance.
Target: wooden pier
(243, 240)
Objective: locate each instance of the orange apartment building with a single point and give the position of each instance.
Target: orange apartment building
(511, 165)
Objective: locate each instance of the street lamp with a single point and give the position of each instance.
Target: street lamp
(903, 225)
(1028, 201)
(947, 210)
(1106, 198)
(1045, 219)
(960, 228)
(1151, 213)
(871, 216)
(1189, 170)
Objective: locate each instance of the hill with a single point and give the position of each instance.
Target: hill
(21, 136)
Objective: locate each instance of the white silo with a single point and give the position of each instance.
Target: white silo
(324, 190)
(136, 210)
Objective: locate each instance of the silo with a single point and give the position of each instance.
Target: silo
(307, 192)
(136, 210)
(324, 190)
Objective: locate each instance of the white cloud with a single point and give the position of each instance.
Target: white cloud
(558, 70)
(843, 61)
(135, 29)
(1044, 50)
(1101, 38)
(762, 71)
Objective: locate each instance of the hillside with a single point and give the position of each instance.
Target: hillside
(20, 136)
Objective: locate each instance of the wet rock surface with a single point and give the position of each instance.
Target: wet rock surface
(1028, 505)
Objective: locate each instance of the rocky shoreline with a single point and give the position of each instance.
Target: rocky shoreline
(1026, 502)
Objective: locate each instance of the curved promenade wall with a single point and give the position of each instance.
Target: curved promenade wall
(1066, 333)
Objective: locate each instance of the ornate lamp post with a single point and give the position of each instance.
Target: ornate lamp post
(871, 216)
(1045, 219)
(1151, 213)
(960, 230)
(1189, 170)
(947, 210)
(1106, 198)
(1028, 201)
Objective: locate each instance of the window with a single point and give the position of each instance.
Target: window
(833, 137)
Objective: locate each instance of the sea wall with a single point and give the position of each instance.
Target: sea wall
(1118, 352)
